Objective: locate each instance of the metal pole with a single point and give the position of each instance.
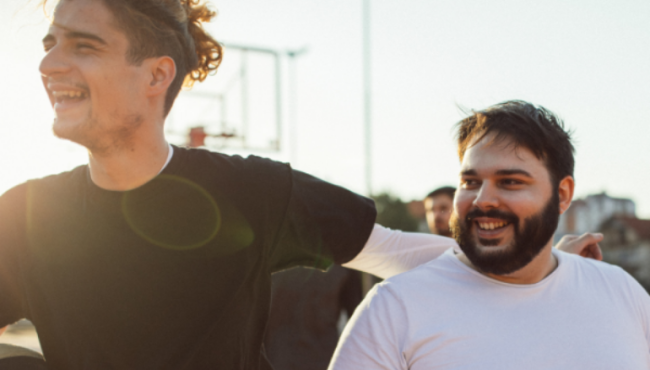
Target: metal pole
(278, 98)
(293, 105)
(367, 279)
(367, 96)
(293, 158)
(224, 115)
(244, 96)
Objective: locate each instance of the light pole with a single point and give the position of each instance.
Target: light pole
(367, 279)
(293, 101)
(367, 97)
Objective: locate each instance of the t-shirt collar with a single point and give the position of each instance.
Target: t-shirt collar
(451, 255)
(170, 154)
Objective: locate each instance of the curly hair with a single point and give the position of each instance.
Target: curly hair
(171, 28)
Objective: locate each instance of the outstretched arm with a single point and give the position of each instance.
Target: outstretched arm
(390, 252)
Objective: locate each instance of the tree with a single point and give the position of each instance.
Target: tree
(393, 213)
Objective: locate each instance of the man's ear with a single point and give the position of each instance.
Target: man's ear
(163, 72)
(565, 191)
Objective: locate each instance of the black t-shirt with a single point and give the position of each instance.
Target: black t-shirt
(175, 274)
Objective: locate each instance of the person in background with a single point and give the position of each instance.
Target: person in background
(438, 206)
(306, 308)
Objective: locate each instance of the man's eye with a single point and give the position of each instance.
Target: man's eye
(511, 182)
(85, 46)
(470, 183)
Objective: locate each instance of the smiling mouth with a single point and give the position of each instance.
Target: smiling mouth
(62, 97)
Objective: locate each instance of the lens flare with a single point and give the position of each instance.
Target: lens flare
(173, 213)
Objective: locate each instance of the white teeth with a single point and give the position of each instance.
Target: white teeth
(67, 94)
(491, 225)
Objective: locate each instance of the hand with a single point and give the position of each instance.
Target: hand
(585, 245)
(2, 330)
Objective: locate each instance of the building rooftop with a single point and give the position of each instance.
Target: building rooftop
(641, 227)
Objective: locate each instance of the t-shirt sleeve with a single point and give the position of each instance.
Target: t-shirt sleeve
(373, 338)
(11, 296)
(323, 224)
(390, 252)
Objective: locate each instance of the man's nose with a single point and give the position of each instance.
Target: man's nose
(487, 197)
(54, 62)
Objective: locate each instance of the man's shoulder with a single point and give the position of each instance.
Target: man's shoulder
(201, 157)
(600, 276)
(52, 186)
(591, 267)
(63, 179)
(253, 177)
(78, 173)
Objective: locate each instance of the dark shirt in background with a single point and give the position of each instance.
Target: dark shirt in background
(306, 305)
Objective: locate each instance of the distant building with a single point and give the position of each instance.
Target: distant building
(627, 244)
(587, 215)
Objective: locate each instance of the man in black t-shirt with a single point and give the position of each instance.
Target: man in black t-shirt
(153, 256)
(175, 273)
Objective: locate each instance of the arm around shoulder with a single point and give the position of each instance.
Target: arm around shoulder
(390, 252)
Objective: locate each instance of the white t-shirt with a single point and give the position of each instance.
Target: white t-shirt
(444, 315)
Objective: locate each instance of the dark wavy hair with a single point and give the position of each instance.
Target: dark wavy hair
(524, 125)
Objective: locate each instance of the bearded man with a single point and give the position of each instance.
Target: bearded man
(509, 300)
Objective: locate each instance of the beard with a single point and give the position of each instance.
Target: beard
(529, 238)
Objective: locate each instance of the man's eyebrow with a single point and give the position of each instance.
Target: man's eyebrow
(513, 172)
(84, 35)
(472, 172)
(73, 34)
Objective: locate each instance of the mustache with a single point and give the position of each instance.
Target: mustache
(492, 213)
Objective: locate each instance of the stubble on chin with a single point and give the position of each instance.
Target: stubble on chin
(102, 139)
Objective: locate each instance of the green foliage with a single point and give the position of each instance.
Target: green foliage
(393, 213)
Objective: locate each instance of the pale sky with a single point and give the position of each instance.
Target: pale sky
(585, 60)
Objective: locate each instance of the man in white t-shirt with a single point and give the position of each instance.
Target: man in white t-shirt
(509, 300)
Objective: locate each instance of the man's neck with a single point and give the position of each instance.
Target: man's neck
(129, 168)
(540, 267)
